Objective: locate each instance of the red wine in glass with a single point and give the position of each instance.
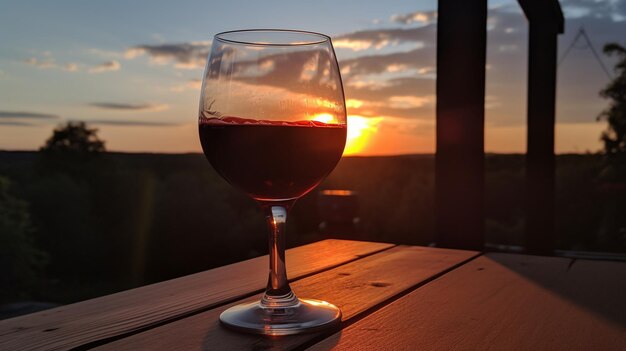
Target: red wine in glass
(272, 160)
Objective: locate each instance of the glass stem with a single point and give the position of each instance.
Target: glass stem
(278, 293)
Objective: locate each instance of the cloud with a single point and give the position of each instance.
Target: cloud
(379, 38)
(27, 115)
(376, 64)
(45, 63)
(70, 67)
(607, 9)
(411, 101)
(48, 63)
(129, 107)
(192, 84)
(24, 118)
(421, 113)
(423, 17)
(401, 84)
(393, 87)
(16, 124)
(395, 84)
(313, 70)
(184, 55)
(107, 66)
(131, 123)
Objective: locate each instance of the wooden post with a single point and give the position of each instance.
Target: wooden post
(459, 170)
(545, 23)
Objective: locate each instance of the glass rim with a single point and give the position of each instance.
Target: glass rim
(321, 38)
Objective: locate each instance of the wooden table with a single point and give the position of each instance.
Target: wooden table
(392, 298)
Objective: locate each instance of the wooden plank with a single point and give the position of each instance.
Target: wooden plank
(502, 302)
(354, 287)
(77, 324)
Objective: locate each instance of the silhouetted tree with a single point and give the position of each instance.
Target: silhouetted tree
(614, 137)
(74, 137)
(73, 149)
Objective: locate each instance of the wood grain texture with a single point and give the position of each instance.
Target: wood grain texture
(77, 324)
(502, 302)
(354, 287)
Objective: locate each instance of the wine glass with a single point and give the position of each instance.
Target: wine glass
(272, 122)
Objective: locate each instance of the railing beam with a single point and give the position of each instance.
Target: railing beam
(545, 23)
(459, 169)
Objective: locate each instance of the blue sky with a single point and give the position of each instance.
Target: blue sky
(112, 64)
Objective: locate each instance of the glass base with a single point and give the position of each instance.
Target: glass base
(304, 317)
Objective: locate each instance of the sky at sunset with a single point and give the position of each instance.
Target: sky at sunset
(133, 69)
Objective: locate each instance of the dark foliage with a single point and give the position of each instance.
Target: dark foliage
(614, 137)
(20, 260)
(612, 178)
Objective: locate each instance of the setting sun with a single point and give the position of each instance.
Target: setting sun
(325, 118)
(360, 130)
